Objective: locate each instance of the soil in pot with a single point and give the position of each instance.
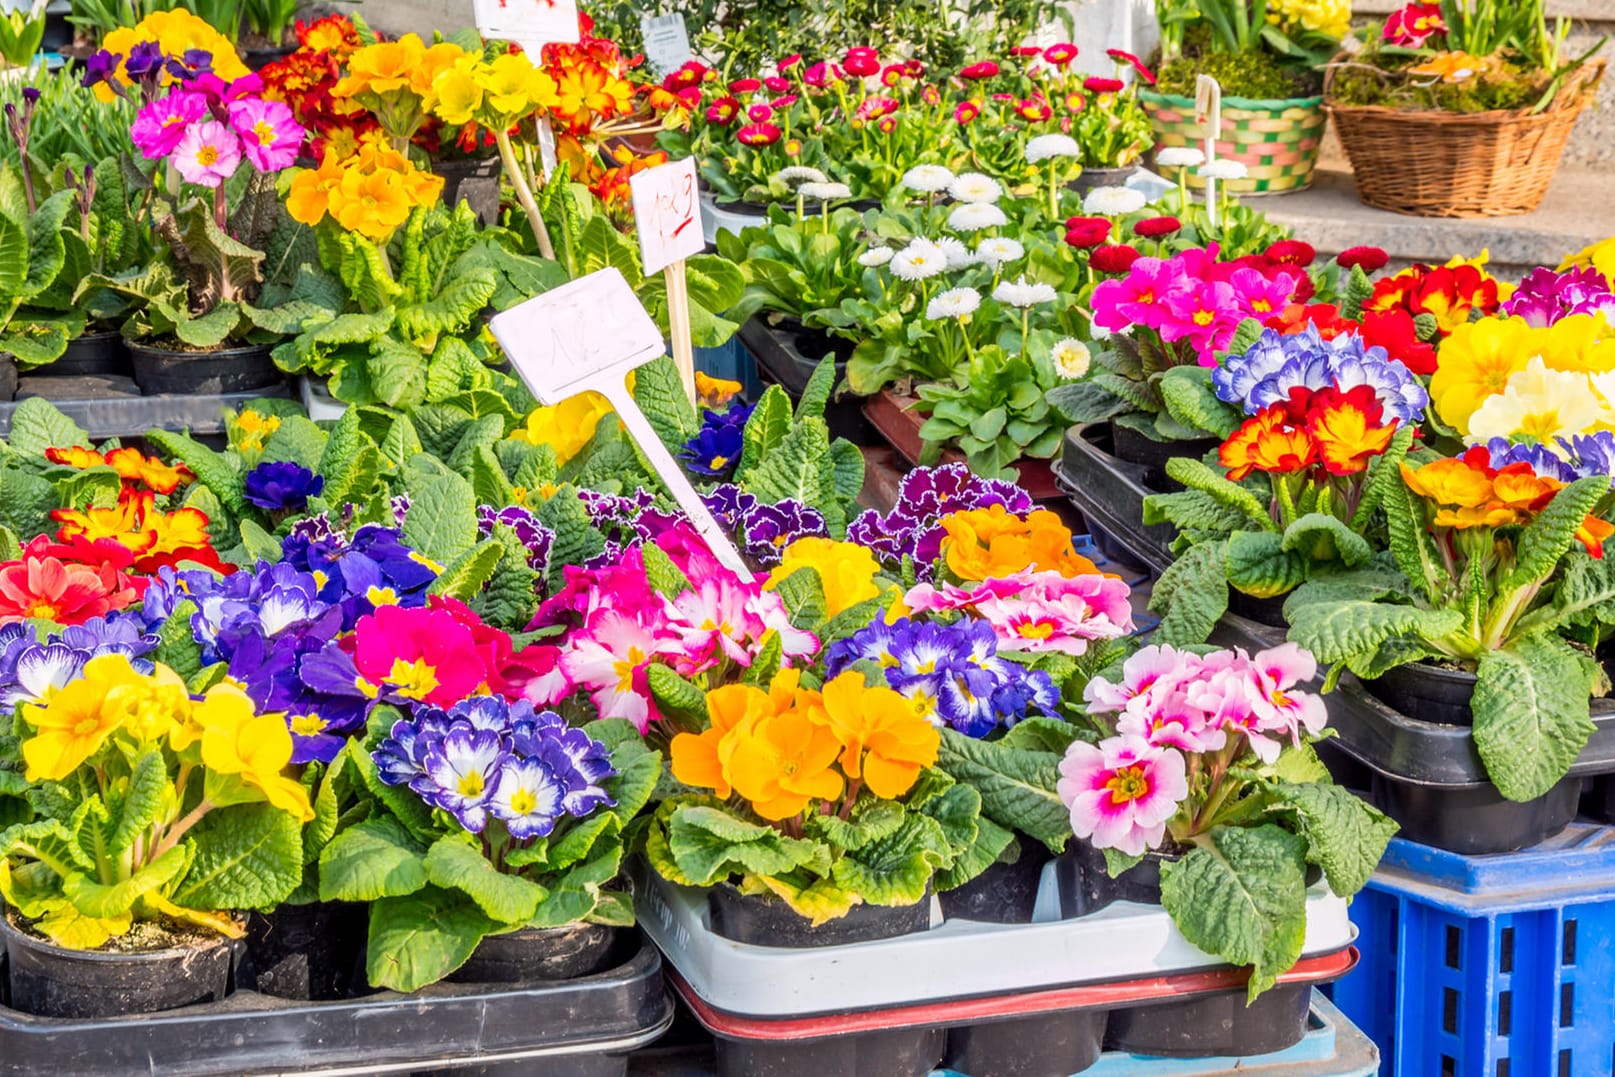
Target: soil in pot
(175, 969)
(1216, 1025)
(473, 180)
(765, 920)
(1129, 445)
(312, 952)
(1003, 894)
(8, 377)
(1426, 692)
(192, 373)
(1051, 1046)
(556, 953)
(1475, 820)
(90, 353)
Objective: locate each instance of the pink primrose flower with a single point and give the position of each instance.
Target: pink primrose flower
(1123, 792)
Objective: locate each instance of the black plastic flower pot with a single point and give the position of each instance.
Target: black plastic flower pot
(1426, 693)
(224, 370)
(1264, 611)
(765, 920)
(781, 361)
(91, 353)
(473, 180)
(1110, 495)
(258, 59)
(1003, 894)
(47, 980)
(1048, 1046)
(904, 1052)
(1085, 886)
(1134, 448)
(535, 954)
(312, 952)
(8, 376)
(1214, 1026)
(1475, 820)
(1102, 177)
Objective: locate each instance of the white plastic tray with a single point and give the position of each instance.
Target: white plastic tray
(956, 959)
(715, 219)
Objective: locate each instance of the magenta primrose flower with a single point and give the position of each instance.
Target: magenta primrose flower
(162, 123)
(270, 136)
(208, 154)
(1122, 792)
(1139, 298)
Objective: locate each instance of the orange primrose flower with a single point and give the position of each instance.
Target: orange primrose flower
(883, 740)
(1346, 429)
(1265, 442)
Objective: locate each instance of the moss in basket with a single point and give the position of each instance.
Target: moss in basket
(1254, 75)
(1376, 78)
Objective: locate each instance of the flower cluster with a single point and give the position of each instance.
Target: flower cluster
(371, 191)
(1038, 612)
(488, 758)
(1194, 298)
(1277, 365)
(763, 530)
(1468, 491)
(1448, 294)
(993, 543)
(1411, 27)
(67, 584)
(161, 49)
(134, 468)
(1502, 377)
(913, 530)
(1394, 331)
(1179, 715)
(618, 624)
(32, 668)
(371, 569)
(304, 81)
(1564, 459)
(783, 749)
(951, 674)
(1545, 296)
(151, 537)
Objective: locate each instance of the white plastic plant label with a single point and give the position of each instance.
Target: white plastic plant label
(532, 24)
(667, 211)
(667, 42)
(589, 335)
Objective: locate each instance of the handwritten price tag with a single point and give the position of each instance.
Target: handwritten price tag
(667, 41)
(667, 208)
(588, 335)
(532, 24)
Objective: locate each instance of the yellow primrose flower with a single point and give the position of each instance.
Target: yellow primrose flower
(75, 722)
(456, 92)
(1477, 361)
(513, 87)
(176, 32)
(565, 427)
(846, 570)
(149, 706)
(1539, 404)
(251, 429)
(1580, 342)
(255, 748)
(1600, 256)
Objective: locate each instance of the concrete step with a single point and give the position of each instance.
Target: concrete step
(1577, 211)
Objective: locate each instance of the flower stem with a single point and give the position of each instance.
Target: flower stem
(179, 829)
(524, 195)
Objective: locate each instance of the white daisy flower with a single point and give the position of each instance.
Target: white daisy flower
(953, 303)
(975, 187)
(975, 216)
(999, 251)
(927, 179)
(1222, 170)
(1071, 358)
(875, 256)
(1043, 147)
(1113, 201)
(1179, 157)
(958, 254)
(792, 175)
(919, 260)
(1020, 294)
(824, 192)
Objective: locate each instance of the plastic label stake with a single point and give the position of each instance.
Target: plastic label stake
(1208, 114)
(532, 24)
(589, 335)
(667, 211)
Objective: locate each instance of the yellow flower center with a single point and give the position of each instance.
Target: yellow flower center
(207, 155)
(1127, 784)
(719, 463)
(85, 726)
(522, 802)
(1203, 317)
(382, 596)
(625, 669)
(470, 785)
(307, 725)
(43, 608)
(416, 679)
(1039, 630)
(264, 132)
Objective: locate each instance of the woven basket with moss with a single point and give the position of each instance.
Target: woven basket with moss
(1460, 110)
(1265, 54)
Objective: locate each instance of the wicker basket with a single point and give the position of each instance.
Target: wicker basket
(1276, 141)
(1449, 164)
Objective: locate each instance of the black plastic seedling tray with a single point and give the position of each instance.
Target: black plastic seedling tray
(579, 1028)
(1110, 494)
(781, 361)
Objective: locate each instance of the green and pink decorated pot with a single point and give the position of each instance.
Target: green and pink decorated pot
(1276, 141)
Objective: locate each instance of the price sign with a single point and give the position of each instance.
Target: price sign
(667, 42)
(532, 24)
(667, 211)
(589, 335)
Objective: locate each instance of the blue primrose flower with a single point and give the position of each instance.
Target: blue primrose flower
(713, 451)
(372, 569)
(101, 67)
(486, 757)
(282, 486)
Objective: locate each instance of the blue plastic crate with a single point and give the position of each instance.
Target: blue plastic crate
(732, 362)
(1489, 966)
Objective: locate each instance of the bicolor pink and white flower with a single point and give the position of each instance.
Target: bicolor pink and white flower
(609, 656)
(1122, 792)
(207, 154)
(1039, 612)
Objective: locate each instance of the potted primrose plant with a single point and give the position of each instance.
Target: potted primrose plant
(209, 147)
(154, 820)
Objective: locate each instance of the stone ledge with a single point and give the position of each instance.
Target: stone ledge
(1576, 212)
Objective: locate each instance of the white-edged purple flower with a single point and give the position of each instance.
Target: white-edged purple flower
(461, 773)
(528, 798)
